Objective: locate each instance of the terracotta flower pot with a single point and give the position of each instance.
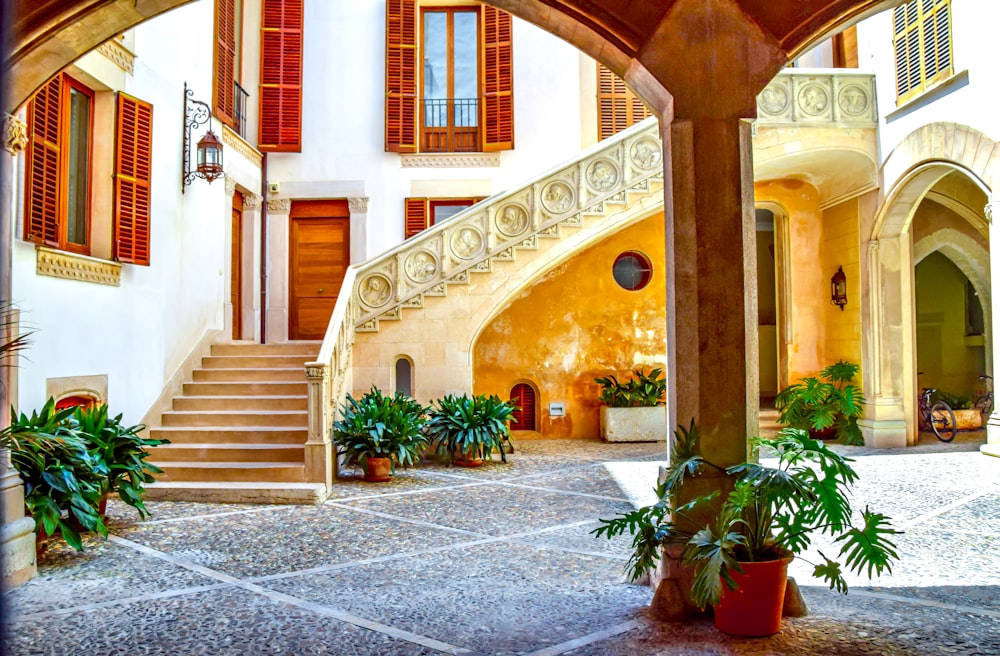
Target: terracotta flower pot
(378, 470)
(754, 608)
(466, 460)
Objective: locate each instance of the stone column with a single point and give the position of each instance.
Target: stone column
(13, 139)
(359, 230)
(251, 263)
(278, 210)
(318, 454)
(992, 211)
(17, 536)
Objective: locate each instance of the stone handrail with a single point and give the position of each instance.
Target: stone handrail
(426, 263)
(819, 97)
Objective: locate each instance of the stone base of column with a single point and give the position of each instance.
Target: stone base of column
(17, 552)
(884, 424)
(992, 446)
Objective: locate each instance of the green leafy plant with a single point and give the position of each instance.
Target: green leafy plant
(122, 449)
(379, 426)
(772, 512)
(12, 340)
(956, 401)
(471, 426)
(643, 390)
(830, 401)
(62, 478)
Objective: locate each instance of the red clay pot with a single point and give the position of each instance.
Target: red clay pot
(463, 460)
(378, 470)
(754, 608)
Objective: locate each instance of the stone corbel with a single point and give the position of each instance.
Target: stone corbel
(358, 205)
(279, 205)
(230, 186)
(15, 134)
(252, 201)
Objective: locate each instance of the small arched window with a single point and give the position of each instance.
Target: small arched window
(523, 397)
(75, 401)
(404, 376)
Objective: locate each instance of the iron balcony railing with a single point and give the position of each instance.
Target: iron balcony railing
(240, 97)
(450, 125)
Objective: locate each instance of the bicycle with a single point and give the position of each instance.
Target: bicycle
(985, 401)
(939, 417)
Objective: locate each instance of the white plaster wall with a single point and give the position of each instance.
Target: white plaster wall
(344, 113)
(138, 334)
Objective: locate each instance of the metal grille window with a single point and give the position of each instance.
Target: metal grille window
(921, 40)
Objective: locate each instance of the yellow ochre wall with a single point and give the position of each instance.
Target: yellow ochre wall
(574, 325)
(840, 247)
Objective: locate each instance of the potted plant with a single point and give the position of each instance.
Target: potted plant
(380, 432)
(827, 406)
(63, 480)
(739, 549)
(633, 410)
(122, 449)
(967, 415)
(467, 429)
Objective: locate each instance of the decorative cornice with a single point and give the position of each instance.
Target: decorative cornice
(450, 160)
(60, 264)
(279, 205)
(358, 205)
(15, 134)
(237, 143)
(118, 54)
(818, 99)
(251, 201)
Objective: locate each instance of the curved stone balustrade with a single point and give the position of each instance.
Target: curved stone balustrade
(818, 97)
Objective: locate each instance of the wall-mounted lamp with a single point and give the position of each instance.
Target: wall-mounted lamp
(209, 155)
(838, 288)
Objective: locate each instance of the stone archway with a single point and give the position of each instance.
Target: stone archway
(920, 161)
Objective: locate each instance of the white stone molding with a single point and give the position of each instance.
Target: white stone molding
(818, 99)
(279, 205)
(237, 143)
(118, 54)
(449, 160)
(15, 134)
(60, 264)
(252, 201)
(230, 186)
(358, 204)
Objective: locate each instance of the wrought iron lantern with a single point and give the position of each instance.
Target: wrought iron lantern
(838, 288)
(209, 148)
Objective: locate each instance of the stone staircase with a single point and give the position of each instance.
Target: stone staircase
(239, 428)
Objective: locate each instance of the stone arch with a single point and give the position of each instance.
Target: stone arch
(919, 162)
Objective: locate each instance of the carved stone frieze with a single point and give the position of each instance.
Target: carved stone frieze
(467, 242)
(234, 141)
(375, 290)
(602, 174)
(358, 205)
(512, 220)
(558, 197)
(421, 266)
(646, 153)
(60, 264)
(118, 54)
(811, 98)
(252, 201)
(15, 134)
(279, 205)
(450, 160)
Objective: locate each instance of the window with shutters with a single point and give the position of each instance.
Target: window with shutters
(280, 109)
(422, 213)
(59, 172)
(523, 397)
(617, 107)
(922, 44)
(459, 97)
(228, 97)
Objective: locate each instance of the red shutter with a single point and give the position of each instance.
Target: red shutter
(523, 398)
(133, 172)
(401, 76)
(416, 216)
(498, 80)
(225, 60)
(281, 76)
(41, 216)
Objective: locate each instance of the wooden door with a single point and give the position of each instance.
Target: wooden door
(236, 267)
(319, 254)
(523, 397)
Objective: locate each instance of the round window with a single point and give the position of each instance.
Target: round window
(632, 270)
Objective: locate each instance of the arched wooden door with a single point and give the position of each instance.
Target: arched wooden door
(523, 396)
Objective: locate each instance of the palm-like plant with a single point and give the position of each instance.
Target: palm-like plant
(643, 390)
(831, 401)
(470, 426)
(772, 512)
(380, 426)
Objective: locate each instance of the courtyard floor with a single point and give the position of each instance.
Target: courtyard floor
(498, 560)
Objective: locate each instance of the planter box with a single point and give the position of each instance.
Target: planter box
(969, 419)
(634, 424)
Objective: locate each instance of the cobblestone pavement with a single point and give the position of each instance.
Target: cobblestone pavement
(498, 560)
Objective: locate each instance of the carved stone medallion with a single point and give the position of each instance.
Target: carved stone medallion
(467, 243)
(813, 99)
(421, 266)
(773, 99)
(853, 100)
(376, 290)
(646, 153)
(558, 197)
(602, 174)
(512, 220)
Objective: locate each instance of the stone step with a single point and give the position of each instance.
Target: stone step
(231, 389)
(230, 452)
(236, 492)
(234, 419)
(255, 361)
(233, 403)
(229, 435)
(260, 473)
(291, 348)
(295, 374)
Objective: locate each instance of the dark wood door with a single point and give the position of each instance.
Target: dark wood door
(523, 398)
(236, 267)
(319, 254)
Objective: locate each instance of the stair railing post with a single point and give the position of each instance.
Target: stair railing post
(318, 455)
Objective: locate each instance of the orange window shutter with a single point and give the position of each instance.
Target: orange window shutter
(133, 175)
(617, 107)
(498, 80)
(281, 76)
(401, 76)
(41, 216)
(225, 60)
(417, 216)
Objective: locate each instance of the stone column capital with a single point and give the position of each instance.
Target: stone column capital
(252, 201)
(279, 205)
(15, 134)
(358, 205)
(230, 186)
(315, 371)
